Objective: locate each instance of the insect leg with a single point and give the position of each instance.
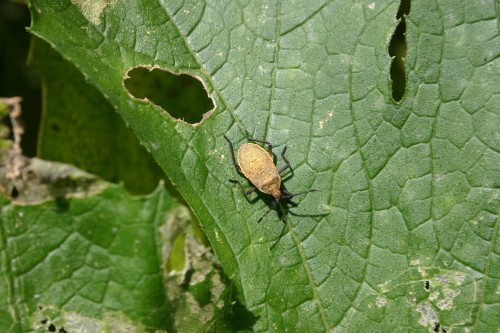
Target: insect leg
(285, 195)
(231, 152)
(273, 207)
(287, 165)
(281, 214)
(269, 145)
(270, 209)
(247, 192)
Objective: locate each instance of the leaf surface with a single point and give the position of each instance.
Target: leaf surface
(408, 192)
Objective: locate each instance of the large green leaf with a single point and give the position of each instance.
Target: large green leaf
(403, 232)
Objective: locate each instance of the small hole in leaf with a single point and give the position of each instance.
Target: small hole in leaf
(62, 204)
(55, 127)
(397, 49)
(182, 96)
(14, 192)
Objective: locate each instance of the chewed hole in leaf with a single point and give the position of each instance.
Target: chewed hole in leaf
(182, 96)
(397, 50)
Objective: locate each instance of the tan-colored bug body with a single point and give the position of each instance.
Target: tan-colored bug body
(258, 166)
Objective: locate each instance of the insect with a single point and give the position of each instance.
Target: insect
(257, 165)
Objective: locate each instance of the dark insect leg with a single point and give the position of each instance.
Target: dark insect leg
(287, 165)
(269, 145)
(285, 194)
(247, 192)
(231, 152)
(286, 178)
(273, 207)
(264, 215)
(281, 235)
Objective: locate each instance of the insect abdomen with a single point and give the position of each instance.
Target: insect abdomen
(258, 166)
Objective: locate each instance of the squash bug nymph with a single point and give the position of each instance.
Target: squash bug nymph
(257, 165)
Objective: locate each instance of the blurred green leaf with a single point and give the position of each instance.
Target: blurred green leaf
(81, 128)
(88, 257)
(408, 192)
(95, 258)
